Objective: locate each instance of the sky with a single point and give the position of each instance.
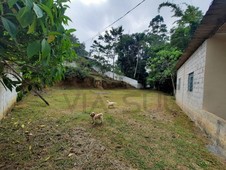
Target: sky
(90, 17)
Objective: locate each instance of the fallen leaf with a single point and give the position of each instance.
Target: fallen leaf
(70, 154)
(30, 147)
(47, 158)
(22, 126)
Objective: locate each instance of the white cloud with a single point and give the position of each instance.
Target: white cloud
(90, 17)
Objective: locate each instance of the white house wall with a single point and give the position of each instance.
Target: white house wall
(193, 102)
(7, 100)
(196, 63)
(215, 77)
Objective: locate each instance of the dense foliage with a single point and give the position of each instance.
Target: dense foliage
(165, 55)
(132, 57)
(33, 42)
(103, 50)
(149, 57)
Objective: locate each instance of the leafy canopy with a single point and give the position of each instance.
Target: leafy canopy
(34, 42)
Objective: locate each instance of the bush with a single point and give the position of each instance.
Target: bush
(76, 72)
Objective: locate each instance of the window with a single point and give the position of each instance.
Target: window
(190, 81)
(178, 84)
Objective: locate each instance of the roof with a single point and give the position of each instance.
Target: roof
(213, 22)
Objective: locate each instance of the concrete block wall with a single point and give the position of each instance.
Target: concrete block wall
(7, 99)
(192, 103)
(196, 63)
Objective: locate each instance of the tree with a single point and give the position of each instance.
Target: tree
(188, 21)
(33, 42)
(163, 55)
(79, 47)
(132, 56)
(162, 65)
(158, 27)
(100, 61)
(106, 45)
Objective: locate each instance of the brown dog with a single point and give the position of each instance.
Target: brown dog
(96, 116)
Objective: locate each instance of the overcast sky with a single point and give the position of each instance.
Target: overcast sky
(90, 17)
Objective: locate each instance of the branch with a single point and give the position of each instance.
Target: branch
(36, 92)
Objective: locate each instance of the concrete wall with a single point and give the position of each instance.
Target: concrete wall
(125, 79)
(215, 77)
(7, 99)
(209, 80)
(196, 63)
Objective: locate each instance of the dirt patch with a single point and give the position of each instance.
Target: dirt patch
(90, 153)
(94, 82)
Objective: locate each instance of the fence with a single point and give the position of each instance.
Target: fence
(125, 79)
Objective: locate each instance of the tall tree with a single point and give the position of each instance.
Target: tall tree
(164, 55)
(106, 45)
(187, 22)
(162, 65)
(132, 56)
(79, 47)
(158, 27)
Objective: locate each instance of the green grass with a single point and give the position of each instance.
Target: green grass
(146, 130)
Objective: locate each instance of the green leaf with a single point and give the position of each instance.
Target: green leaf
(71, 30)
(19, 88)
(33, 48)
(54, 33)
(32, 27)
(48, 11)
(49, 3)
(43, 27)
(29, 3)
(11, 3)
(66, 19)
(38, 11)
(45, 48)
(60, 29)
(10, 27)
(25, 16)
(1, 8)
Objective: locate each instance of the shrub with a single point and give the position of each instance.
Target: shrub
(76, 72)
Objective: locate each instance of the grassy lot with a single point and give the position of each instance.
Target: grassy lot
(146, 130)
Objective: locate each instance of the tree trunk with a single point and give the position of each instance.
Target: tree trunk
(113, 67)
(173, 84)
(136, 67)
(26, 82)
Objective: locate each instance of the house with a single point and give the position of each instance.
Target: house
(201, 76)
(7, 98)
